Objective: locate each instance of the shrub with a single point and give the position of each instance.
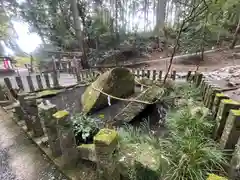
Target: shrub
(85, 127)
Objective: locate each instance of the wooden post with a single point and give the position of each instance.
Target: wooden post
(154, 74)
(106, 142)
(9, 89)
(198, 78)
(32, 110)
(39, 82)
(138, 73)
(143, 73)
(160, 76)
(19, 82)
(148, 74)
(173, 75)
(8, 83)
(189, 75)
(231, 131)
(46, 111)
(225, 106)
(67, 139)
(46, 77)
(30, 84)
(55, 79)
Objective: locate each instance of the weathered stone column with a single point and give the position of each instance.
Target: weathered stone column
(211, 95)
(23, 105)
(231, 131)
(32, 110)
(66, 137)
(198, 78)
(225, 106)
(106, 142)
(216, 103)
(46, 111)
(19, 114)
(234, 172)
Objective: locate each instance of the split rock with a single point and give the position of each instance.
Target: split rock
(132, 109)
(118, 82)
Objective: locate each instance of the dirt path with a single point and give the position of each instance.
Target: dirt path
(20, 159)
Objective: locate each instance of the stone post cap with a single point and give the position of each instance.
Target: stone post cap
(61, 114)
(105, 137)
(229, 101)
(235, 112)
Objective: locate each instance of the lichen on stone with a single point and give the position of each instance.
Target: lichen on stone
(106, 136)
(48, 92)
(221, 95)
(230, 101)
(235, 112)
(60, 114)
(215, 177)
(87, 146)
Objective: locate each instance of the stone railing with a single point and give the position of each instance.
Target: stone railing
(226, 113)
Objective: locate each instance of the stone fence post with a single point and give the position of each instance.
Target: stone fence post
(224, 108)
(106, 142)
(216, 103)
(234, 172)
(66, 137)
(46, 110)
(32, 110)
(23, 105)
(231, 131)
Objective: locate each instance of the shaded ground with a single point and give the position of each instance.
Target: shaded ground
(19, 158)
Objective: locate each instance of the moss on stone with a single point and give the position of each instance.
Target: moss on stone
(47, 93)
(215, 177)
(235, 112)
(230, 101)
(117, 82)
(221, 95)
(106, 136)
(60, 114)
(87, 146)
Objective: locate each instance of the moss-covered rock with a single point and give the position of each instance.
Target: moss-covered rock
(117, 82)
(132, 109)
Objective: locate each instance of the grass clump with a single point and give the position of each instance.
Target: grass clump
(187, 152)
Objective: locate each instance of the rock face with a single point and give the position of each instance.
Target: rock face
(132, 109)
(117, 82)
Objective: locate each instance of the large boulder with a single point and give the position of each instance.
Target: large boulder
(118, 82)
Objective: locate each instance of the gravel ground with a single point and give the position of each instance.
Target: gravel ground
(20, 159)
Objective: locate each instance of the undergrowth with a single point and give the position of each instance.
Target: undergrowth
(186, 153)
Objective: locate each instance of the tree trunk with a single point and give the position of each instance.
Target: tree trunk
(161, 13)
(77, 24)
(235, 39)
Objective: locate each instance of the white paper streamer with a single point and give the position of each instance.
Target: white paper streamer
(109, 100)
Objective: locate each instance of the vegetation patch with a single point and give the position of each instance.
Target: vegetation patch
(85, 128)
(186, 151)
